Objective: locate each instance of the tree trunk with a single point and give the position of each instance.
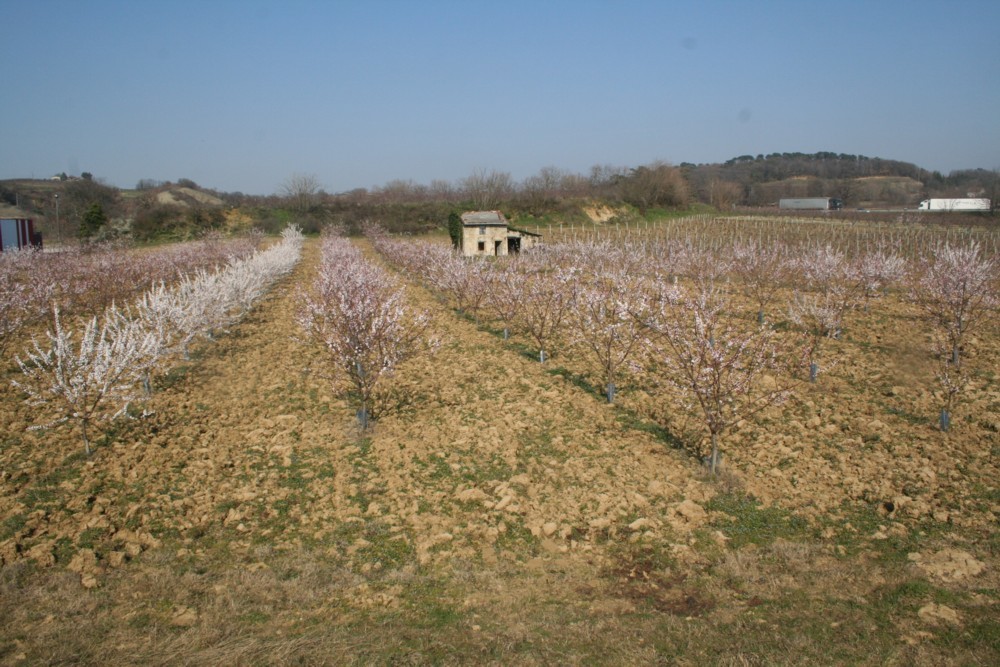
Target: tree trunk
(86, 437)
(363, 417)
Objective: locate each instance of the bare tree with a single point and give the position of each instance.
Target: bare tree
(723, 195)
(656, 184)
(488, 189)
(441, 190)
(301, 190)
(544, 188)
(603, 177)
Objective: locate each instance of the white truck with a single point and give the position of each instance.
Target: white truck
(963, 204)
(811, 204)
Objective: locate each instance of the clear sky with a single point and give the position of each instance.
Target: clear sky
(238, 95)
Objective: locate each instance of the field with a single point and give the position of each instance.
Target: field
(503, 512)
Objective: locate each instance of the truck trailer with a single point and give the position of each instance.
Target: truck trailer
(18, 233)
(963, 204)
(811, 204)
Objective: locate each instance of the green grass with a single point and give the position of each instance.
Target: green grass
(579, 381)
(12, 524)
(631, 420)
(90, 538)
(517, 539)
(537, 445)
(387, 549)
(748, 522)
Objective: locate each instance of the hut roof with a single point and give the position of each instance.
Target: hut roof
(483, 218)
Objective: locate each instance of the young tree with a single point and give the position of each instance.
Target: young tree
(465, 280)
(15, 294)
(607, 323)
(826, 269)
(94, 379)
(718, 364)
(505, 293)
(357, 311)
(761, 267)
(877, 270)
(822, 313)
(820, 316)
(952, 380)
(549, 298)
(955, 286)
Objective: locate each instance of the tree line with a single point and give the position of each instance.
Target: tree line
(89, 209)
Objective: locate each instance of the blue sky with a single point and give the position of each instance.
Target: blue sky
(240, 95)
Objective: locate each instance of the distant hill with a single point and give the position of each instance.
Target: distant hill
(186, 197)
(38, 196)
(866, 192)
(858, 180)
(58, 206)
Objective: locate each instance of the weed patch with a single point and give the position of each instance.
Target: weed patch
(748, 522)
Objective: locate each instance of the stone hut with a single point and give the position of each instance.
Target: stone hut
(489, 233)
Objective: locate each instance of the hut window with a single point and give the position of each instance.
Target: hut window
(482, 230)
(482, 246)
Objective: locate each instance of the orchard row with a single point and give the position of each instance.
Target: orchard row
(731, 329)
(85, 280)
(95, 375)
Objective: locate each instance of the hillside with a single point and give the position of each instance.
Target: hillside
(183, 210)
(186, 197)
(58, 206)
(37, 196)
(864, 192)
(860, 181)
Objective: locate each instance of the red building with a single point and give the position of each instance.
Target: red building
(17, 233)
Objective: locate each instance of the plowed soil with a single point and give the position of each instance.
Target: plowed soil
(248, 520)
